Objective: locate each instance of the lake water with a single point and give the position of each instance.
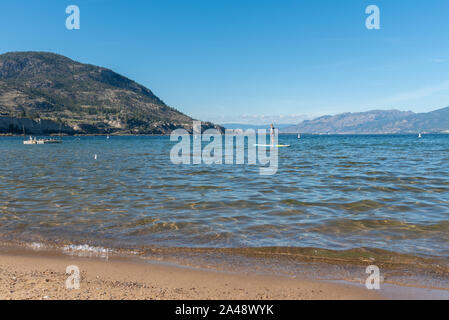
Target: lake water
(387, 192)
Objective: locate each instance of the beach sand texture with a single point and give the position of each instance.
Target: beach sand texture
(41, 278)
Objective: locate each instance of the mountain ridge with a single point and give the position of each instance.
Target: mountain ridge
(376, 122)
(41, 89)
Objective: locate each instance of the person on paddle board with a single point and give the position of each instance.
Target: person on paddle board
(272, 134)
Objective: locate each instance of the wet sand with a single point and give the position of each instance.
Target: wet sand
(43, 277)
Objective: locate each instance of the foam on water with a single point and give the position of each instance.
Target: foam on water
(86, 250)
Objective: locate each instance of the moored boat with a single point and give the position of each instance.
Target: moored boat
(32, 140)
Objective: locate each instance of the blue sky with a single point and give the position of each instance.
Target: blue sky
(225, 59)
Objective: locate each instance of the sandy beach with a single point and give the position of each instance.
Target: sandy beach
(43, 277)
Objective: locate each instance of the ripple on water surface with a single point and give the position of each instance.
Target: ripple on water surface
(330, 192)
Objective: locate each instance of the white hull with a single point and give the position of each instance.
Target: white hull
(41, 141)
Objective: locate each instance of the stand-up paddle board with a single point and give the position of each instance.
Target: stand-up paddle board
(270, 145)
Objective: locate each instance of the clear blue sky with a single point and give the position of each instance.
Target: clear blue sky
(224, 58)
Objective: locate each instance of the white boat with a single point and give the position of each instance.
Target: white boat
(32, 140)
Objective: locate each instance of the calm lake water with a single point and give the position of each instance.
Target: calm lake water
(332, 192)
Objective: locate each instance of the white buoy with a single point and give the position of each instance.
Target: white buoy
(95, 156)
(420, 136)
(107, 137)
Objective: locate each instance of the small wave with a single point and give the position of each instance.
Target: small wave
(86, 250)
(36, 246)
(393, 229)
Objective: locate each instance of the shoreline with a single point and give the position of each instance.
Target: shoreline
(168, 135)
(397, 271)
(40, 275)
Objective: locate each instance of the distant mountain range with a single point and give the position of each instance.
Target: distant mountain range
(252, 126)
(376, 122)
(42, 93)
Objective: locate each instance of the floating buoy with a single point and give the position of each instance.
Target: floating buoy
(95, 156)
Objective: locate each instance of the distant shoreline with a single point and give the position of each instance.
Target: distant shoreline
(167, 135)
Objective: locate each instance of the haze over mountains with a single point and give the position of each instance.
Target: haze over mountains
(376, 122)
(243, 126)
(42, 93)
